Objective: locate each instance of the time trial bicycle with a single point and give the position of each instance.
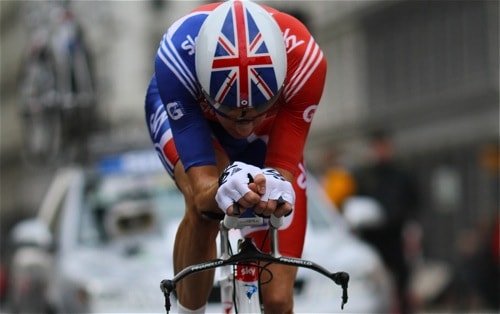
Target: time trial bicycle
(240, 273)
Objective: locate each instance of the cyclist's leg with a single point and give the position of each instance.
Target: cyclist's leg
(194, 243)
(278, 293)
(195, 239)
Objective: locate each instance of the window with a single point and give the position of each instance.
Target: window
(422, 51)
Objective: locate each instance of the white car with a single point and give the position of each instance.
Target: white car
(330, 243)
(103, 238)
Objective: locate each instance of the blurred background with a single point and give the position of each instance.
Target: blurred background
(425, 73)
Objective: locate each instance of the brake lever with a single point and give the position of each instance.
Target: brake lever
(167, 286)
(342, 279)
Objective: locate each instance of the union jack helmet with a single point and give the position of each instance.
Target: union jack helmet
(240, 57)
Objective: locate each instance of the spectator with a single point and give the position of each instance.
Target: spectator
(474, 287)
(384, 180)
(338, 181)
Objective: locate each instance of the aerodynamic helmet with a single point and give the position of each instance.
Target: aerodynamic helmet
(240, 57)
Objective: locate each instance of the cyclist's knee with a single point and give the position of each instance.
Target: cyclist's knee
(276, 303)
(278, 293)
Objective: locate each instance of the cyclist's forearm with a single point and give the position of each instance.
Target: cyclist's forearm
(204, 184)
(286, 174)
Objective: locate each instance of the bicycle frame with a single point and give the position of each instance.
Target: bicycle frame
(244, 284)
(247, 254)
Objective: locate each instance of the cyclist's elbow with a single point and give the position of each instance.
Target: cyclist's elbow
(204, 204)
(200, 203)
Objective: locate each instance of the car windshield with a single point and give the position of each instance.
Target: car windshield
(128, 204)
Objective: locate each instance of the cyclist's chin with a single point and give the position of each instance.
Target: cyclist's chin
(240, 129)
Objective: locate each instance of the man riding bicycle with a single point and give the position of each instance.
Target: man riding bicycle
(229, 108)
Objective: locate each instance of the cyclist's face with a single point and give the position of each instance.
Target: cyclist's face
(241, 123)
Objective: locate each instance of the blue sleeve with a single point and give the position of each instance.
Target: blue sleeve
(156, 116)
(175, 87)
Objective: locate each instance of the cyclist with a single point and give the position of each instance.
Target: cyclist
(229, 107)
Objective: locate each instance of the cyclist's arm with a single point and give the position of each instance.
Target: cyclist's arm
(288, 175)
(306, 76)
(204, 184)
(174, 92)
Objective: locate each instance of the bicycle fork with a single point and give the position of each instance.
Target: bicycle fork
(239, 285)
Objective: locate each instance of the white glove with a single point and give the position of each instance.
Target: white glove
(233, 183)
(277, 187)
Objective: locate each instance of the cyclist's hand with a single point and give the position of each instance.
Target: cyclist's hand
(234, 187)
(279, 196)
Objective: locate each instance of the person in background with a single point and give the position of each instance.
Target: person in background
(395, 189)
(475, 286)
(338, 181)
(229, 108)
